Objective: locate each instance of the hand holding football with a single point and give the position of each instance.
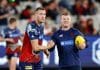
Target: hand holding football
(79, 40)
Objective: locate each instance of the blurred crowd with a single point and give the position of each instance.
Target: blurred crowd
(22, 9)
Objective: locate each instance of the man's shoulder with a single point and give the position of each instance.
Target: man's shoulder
(31, 25)
(76, 31)
(56, 33)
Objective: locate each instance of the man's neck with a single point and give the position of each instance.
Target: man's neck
(65, 28)
(37, 22)
(11, 27)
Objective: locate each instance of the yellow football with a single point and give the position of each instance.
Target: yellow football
(79, 40)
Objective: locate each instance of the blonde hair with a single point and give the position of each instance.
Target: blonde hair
(64, 12)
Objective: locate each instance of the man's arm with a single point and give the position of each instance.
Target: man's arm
(50, 45)
(7, 40)
(4, 16)
(81, 46)
(33, 35)
(36, 47)
(80, 42)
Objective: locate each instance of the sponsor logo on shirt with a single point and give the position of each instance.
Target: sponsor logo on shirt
(69, 42)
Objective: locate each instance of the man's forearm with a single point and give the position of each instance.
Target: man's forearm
(82, 46)
(42, 48)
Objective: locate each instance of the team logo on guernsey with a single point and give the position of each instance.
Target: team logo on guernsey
(61, 35)
(96, 51)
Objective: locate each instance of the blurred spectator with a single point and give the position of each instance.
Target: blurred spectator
(89, 7)
(15, 2)
(33, 3)
(77, 8)
(6, 11)
(93, 8)
(86, 26)
(52, 9)
(91, 29)
(45, 5)
(84, 7)
(26, 12)
(12, 8)
(82, 25)
(65, 4)
(38, 3)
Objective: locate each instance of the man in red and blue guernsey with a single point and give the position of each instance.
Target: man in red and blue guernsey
(32, 45)
(12, 35)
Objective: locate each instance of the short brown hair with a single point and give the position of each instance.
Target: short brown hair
(34, 11)
(11, 20)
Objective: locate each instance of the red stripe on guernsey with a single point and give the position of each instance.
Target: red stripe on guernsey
(26, 54)
(9, 51)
